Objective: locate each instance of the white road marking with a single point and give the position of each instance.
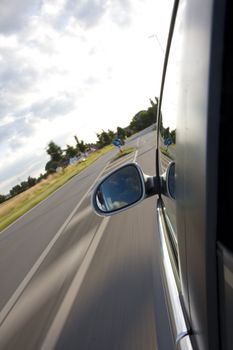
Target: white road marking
(80, 216)
(65, 308)
(45, 286)
(11, 302)
(135, 156)
(40, 203)
(118, 163)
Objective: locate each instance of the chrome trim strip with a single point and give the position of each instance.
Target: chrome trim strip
(171, 229)
(180, 328)
(228, 276)
(184, 344)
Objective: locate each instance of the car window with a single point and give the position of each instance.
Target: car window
(167, 133)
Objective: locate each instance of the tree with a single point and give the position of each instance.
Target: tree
(54, 151)
(154, 107)
(80, 145)
(173, 136)
(41, 177)
(16, 190)
(121, 134)
(31, 181)
(111, 134)
(138, 121)
(51, 166)
(24, 186)
(128, 131)
(104, 139)
(2, 198)
(166, 133)
(70, 152)
(143, 119)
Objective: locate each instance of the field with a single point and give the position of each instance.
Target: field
(20, 204)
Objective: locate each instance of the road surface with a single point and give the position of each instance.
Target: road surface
(73, 280)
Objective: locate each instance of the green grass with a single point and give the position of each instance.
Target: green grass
(165, 152)
(124, 153)
(15, 207)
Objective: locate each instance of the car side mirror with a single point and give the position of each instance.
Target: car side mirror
(168, 181)
(122, 189)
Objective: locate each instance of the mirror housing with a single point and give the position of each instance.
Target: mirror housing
(123, 188)
(168, 183)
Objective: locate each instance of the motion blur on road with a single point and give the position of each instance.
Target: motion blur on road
(73, 280)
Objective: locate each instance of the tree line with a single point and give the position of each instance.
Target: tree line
(61, 157)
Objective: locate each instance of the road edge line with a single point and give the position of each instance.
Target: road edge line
(19, 290)
(135, 156)
(60, 319)
(45, 199)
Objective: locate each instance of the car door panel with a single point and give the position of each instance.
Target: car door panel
(191, 96)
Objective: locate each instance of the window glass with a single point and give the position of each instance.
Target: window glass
(168, 137)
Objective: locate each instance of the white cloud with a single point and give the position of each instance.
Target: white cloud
(69, 67)
(15, 13)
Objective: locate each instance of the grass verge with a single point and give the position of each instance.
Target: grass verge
(124, 153)
(15, 207)
(165, 152)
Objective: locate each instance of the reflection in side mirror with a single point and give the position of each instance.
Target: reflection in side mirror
(170, 181)
(119, 190)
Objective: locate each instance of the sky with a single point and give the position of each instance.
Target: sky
(73, 67)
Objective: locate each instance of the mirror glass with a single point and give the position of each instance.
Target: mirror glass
(171, 184)
(119, 190)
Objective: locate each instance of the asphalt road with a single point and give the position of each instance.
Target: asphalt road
(73, 280)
